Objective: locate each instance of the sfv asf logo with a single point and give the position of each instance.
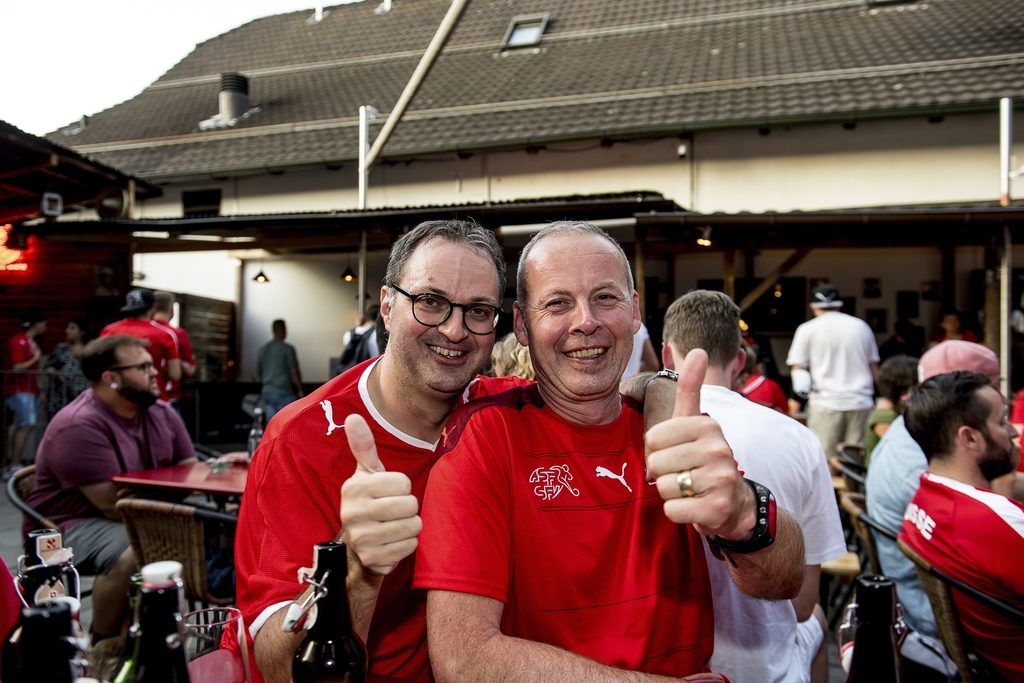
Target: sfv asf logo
(551, 481)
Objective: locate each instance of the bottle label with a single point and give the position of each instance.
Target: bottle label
(50, 590)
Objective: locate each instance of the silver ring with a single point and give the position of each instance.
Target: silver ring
(685, 481)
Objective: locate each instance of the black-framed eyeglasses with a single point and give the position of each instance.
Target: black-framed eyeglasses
(145, 367)
(433, 309)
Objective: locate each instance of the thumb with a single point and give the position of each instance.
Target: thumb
(691, 376)
(360, 440)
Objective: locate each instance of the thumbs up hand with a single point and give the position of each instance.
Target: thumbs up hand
(693, 465)
(379, 515)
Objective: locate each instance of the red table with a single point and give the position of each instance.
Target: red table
(193, 477)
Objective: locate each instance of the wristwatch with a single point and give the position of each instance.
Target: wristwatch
(764, 525)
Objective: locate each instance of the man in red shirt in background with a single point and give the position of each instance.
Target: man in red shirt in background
(23, 397)
(163, 345)
(162, 314)
(955, 521)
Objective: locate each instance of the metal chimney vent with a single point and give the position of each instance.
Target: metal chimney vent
(234, 96)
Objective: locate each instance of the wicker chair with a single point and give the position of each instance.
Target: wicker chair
(939, 588)
(853, 503)
(168, 531)
(19, 486)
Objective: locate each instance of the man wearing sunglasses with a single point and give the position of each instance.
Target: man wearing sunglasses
(116, 426)
(440, 303)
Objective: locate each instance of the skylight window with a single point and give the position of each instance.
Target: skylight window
(525, 30)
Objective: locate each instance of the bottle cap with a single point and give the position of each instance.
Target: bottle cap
(876, 600)
(161, 573)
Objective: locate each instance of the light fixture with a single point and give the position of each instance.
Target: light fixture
(260, 276)
(349, 275)
(705, 236)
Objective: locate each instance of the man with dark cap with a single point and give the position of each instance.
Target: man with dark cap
(163, 345)
(834, 359)
(24, 355)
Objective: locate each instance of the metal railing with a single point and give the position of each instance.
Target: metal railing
(46, 382)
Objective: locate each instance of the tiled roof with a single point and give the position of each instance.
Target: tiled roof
(604, 68)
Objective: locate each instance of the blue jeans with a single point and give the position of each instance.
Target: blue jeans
(273, 401)
(24, 408)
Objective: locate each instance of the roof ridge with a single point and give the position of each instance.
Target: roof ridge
(960, 64)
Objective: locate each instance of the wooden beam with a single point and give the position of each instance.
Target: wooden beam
(729, 273)
(770, 281)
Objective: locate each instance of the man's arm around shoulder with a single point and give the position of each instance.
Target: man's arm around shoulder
(466, 644)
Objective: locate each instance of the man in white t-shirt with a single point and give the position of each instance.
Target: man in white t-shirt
(834, 360)
(757, 640)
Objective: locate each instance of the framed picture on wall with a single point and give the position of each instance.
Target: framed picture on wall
(872, 288)
(877, 319)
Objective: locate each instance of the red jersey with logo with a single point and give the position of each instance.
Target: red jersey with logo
(767, 392)
(21, 348)
(163, 345)
(292, 501)
(976, 536)
(555, 520)
(185, 352)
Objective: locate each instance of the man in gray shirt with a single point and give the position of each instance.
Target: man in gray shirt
(277, 367)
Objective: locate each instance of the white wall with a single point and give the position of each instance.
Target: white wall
(318, 308)
(213, 274)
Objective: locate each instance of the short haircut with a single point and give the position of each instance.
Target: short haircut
(466, 233)
(164, 302)
(939, 406)
(705, 320)
(371, 312)
(277, 325)
(559, 228)
(101, 354)
(896, 377)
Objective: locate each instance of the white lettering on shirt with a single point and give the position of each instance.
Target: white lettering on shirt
(919, 518)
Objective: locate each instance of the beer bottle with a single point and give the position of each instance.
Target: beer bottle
(876, 655)
(45, 571)
(124, 672)
(331, 651)
(256, 433)
(41, 648)
(158, 627)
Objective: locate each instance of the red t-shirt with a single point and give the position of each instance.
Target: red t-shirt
(555, 520)
(163, 345)
(976, 536)
(292, 501)
(767, 392)
(185, 352)
(21, 348)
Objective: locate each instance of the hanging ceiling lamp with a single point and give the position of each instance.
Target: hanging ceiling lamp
(261, 276)
(349, 275)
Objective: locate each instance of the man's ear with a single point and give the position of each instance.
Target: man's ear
(666, 356)
(970, 438)
(738, 363)
(519, 324)
(385, 307)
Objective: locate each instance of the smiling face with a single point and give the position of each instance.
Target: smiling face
(441, 359)
(578, 318)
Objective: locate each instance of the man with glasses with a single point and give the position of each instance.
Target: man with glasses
(440, 303)
(116, 426)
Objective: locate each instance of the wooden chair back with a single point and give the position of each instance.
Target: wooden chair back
(168, 531)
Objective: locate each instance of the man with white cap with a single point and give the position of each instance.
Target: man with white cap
(895, 475)
(834, 360)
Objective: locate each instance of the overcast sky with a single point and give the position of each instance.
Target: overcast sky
(61, 59)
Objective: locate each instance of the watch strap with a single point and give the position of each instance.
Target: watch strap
(764, 525)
